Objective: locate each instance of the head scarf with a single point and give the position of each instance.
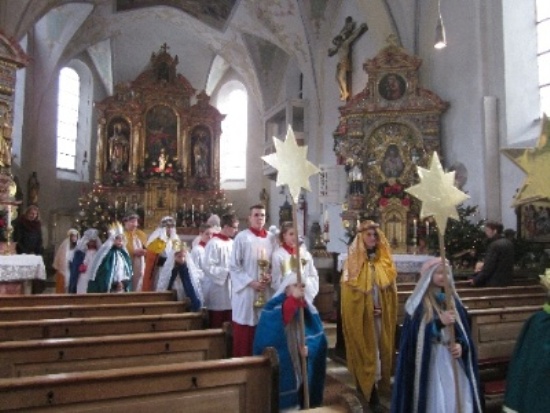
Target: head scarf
(160, 232)
(90, 234)
(64, 252)
(422, 286)
(357, 255)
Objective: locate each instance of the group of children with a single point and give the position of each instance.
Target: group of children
(436, 367)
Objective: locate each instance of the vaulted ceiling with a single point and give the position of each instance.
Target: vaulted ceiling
(209, 37)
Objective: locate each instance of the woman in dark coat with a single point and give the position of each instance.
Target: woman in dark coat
(27, 232)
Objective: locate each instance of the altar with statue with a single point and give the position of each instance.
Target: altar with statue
(158, 154)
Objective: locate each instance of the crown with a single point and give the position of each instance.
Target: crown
(116, 229)
(178, 246)
(167, 221)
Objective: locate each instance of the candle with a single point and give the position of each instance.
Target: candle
(261, 253)
(192, 208)
(184, 207)
(9, 216)
(201, 207)
(414, 228)
(116, 204)
(427, 228)
(325, 216)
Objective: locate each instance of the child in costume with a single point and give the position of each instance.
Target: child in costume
(529, 370)
(279, 327)
(80, 266)
(159, 244)
(63, 258)
(179, 271)
(424, 378)
(111, 269)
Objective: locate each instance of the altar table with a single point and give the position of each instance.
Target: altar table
(18, 271)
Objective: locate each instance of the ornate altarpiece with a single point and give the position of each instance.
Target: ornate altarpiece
(156, 152)
(384, 132)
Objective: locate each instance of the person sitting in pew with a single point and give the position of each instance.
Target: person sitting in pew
(424, 379)
(180, 267)
(529, 368)
(111, 269)
(498, 266)
(279, 327)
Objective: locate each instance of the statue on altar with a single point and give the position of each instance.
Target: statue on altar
(392, 164)
(5, 139)
(201, 158)
(118, 150)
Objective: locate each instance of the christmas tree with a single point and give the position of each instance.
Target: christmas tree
(219, 205)
(464, 239)
(96, 212)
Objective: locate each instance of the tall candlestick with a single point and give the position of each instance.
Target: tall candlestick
(427, 228)
(9, 217)
(192, 208)
(414, 228)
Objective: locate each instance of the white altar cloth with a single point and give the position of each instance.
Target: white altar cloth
(21, 267)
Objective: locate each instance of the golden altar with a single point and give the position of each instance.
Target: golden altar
(157, 153)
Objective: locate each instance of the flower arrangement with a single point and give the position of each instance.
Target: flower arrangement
(393, 190)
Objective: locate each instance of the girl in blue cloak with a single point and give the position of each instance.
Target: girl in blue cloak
(278, 327)
(424, 380)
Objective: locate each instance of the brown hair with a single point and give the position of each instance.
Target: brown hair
(495, 226)
(257, 206)
(285, 227)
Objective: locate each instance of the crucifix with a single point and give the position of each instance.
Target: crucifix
(343, 43)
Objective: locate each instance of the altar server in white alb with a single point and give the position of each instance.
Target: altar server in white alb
(284, 261)
(197, 252)
(251, 245)
(217, 282)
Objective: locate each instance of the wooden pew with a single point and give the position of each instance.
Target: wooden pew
(247, 384)
(91, 310)
(460, 284)
(494, 333)
(99, 326)
(495, 301)
(36, 357)
(87, 299)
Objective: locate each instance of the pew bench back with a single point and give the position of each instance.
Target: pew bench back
(247, 384)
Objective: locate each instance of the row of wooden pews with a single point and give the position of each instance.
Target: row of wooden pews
(497, 315)
(137, 352)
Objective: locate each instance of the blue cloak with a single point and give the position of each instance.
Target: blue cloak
(78, 258)
(270, 332)
(188, 289)
(415, 354)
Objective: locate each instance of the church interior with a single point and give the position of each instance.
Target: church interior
(166, 108)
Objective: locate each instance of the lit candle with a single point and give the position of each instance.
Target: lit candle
(116, 204)
(261, 253)
(184, 207)
(414, 228)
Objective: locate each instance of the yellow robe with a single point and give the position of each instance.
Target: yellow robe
(358, 321)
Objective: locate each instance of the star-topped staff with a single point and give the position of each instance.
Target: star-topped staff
(294, 170)
(535, 162)
(440, 198)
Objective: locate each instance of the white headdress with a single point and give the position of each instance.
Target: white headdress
(426, 274)
(292, 278)
(90, 234)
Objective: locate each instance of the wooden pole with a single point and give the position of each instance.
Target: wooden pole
(301, 321)
(450, 305)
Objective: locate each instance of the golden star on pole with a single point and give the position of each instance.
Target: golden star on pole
(438, 193)
(535, 162)
(292, 165)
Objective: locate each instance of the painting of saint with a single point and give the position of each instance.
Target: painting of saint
(392, 164)
(162, 129)
(392, 86)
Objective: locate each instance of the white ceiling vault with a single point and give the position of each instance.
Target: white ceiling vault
(249, 36)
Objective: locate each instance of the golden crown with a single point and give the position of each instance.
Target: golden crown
(116, 229)
(179, 246)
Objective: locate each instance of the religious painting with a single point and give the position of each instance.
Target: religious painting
(201, 153)
(118, 145)
(161, 138)
(534, 221)
(392, 164)
(392, 86)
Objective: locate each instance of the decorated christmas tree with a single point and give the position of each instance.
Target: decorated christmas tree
(219, 205)
(464, 238)
(95, 212)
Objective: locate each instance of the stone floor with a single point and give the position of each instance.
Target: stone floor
(340, 372)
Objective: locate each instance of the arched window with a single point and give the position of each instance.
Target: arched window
(233, 102)
(543, 53)
(68, 102)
